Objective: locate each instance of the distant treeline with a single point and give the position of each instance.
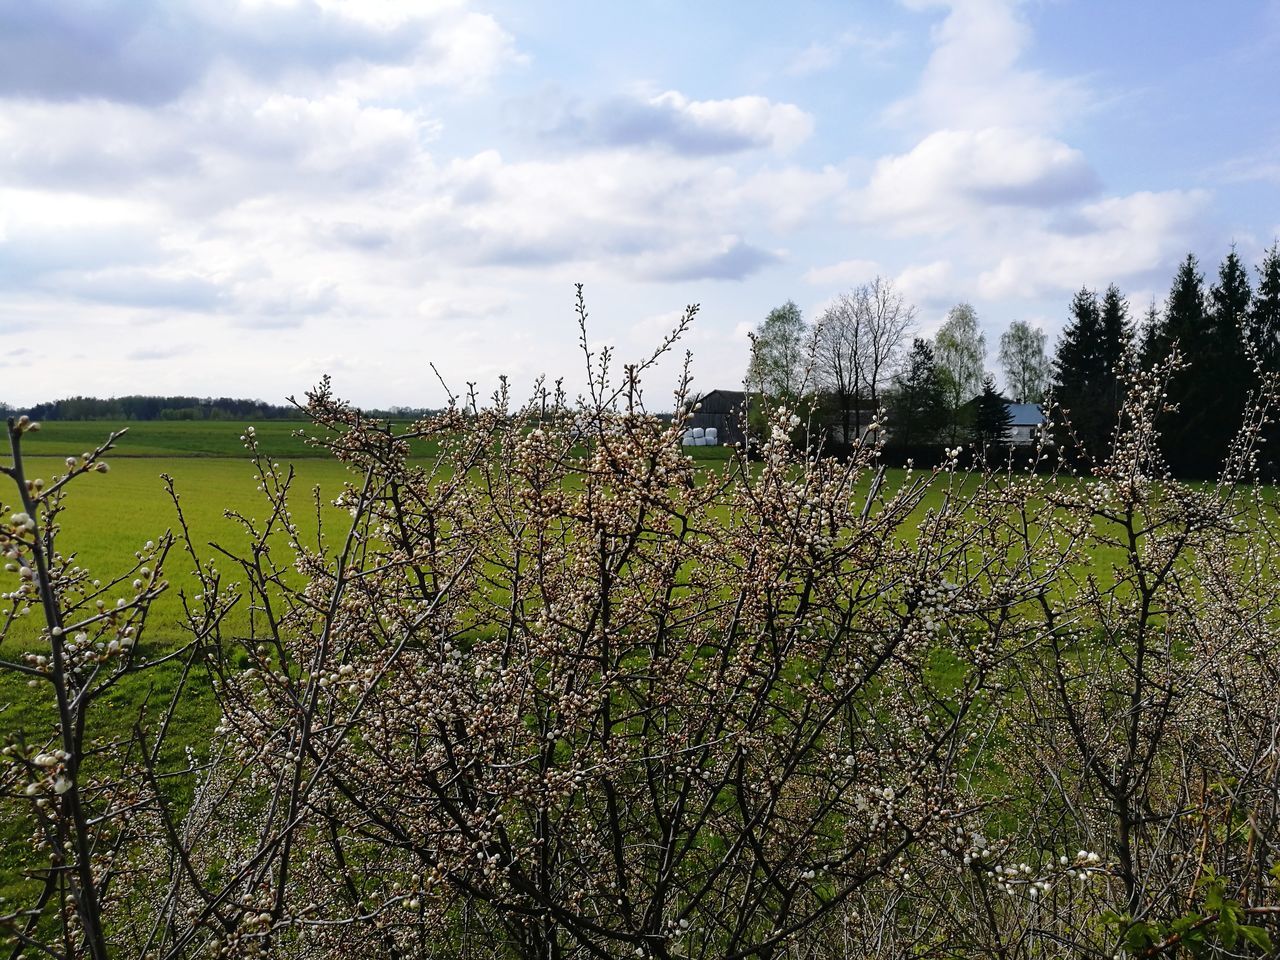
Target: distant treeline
(178, 408)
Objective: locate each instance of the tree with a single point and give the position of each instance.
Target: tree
(1229, 302)
(1210, 390)
(991, 419)
(839, 347)
(1264, 314)
(1089, 368)
(888, 319)
(857, 340)
(960, 351)
(1115, 335)
(542, 695)
(1264, 332)
(1148, 332)
(1026, 369)
(776, 368)
(1226, 373)
(1075, 362)
(1184, 314)
(917, 409)
(1115, 359)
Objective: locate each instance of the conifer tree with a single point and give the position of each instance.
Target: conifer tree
(1264, 314)
(1184, 323)
(1148, 336)
(1264, 330)
(1115, 357)
(1229, 302)
(1210, 392)
(918, 407)
(1228, 375)
(1184, 312)
(1076, 362)
(991, 419)
(1115, 334)
(1080, 376)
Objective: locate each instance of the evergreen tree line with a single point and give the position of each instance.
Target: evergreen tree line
(1226, 334)
(176, 408)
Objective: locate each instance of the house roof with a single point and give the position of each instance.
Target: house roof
(1025, 414)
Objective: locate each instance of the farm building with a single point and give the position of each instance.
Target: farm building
(724, 411)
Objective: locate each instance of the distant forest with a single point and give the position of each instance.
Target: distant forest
(178, 408)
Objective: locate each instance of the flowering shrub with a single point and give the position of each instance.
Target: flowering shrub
(553, 692)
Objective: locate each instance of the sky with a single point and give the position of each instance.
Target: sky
(235, 197)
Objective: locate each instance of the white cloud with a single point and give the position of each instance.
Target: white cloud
(1253, 169)
(461, 49)
(788, 196)
(142, 287)
(951, 173)
(823, 55)
(630, 213)
(155, 51)
(465, 305)
(845, 272)
(1111, 240)
(974, 78)
(674, 122)
(213, 150)
(927, 283)
(259, 179)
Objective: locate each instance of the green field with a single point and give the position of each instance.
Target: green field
(169, 438)
(110, 516)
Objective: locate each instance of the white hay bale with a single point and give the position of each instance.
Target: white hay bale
(698, 433)
(686, 439)
(712, 436)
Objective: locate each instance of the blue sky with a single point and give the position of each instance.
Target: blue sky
(225, 198)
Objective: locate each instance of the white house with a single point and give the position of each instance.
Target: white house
(1028, 422)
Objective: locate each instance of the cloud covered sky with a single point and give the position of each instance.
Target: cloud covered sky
(233, 197)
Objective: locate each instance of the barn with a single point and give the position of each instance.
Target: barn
(725, 411)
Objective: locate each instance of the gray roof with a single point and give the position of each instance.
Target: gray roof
(1025, 414)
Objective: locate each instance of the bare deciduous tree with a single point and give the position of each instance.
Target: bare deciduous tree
(858, 340)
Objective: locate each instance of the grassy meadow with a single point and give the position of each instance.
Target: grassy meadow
(169, 438)
(109, 517)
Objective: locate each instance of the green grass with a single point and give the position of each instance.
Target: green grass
(168, 438)
(108, 517)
